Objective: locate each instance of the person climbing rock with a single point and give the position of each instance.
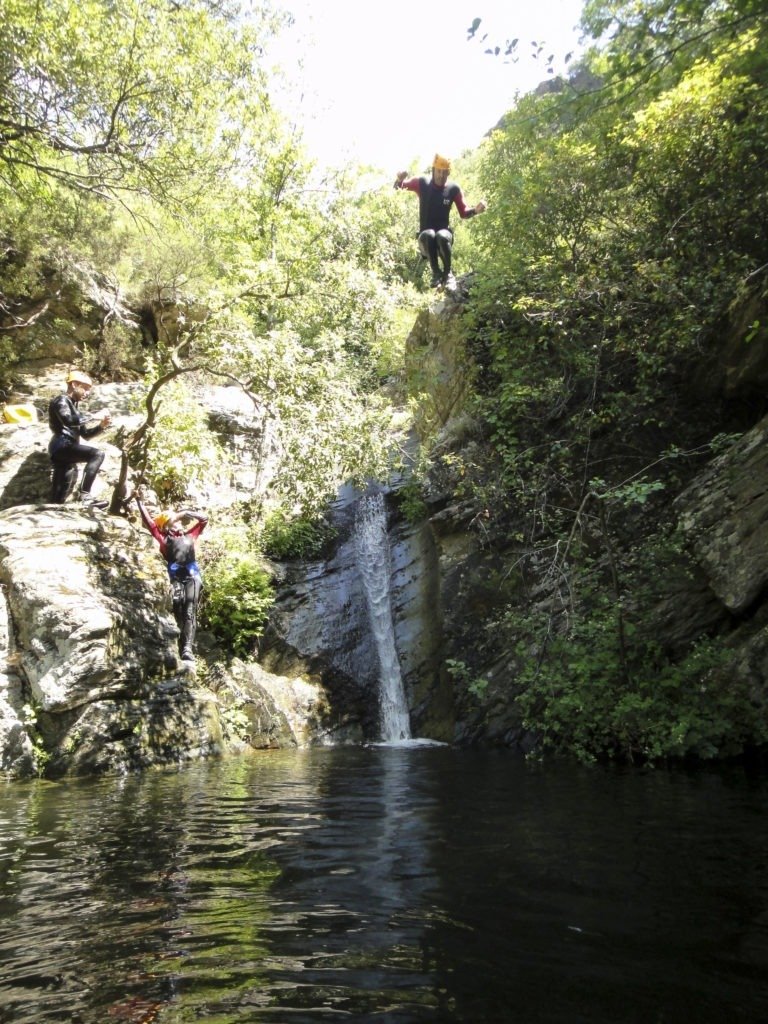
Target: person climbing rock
(436, 197)
(66, 450)
(177, 546)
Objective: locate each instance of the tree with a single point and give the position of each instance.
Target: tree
(139, 152)
(127, 96)
(644, 47)
(625, 231)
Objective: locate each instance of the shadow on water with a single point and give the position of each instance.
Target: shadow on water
(385, 884)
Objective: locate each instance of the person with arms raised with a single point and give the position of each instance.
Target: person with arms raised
(177, 546)
(437, 195)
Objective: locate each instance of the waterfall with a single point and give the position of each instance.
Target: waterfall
(372, 550)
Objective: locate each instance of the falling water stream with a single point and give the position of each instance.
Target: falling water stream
(373, 560)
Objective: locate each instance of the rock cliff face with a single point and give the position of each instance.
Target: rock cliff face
(89, 678)
(90, 641)
(320, 626)
(724, 516)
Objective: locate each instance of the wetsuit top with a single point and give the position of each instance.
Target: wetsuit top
(178, 549)
(179, 553)
(67, 424)
(435, 202)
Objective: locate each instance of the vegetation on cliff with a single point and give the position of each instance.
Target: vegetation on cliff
(635, 229)
(158, 211)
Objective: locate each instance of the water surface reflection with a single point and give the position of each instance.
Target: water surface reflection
(385, 885)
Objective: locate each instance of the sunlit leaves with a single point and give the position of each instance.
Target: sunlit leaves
(125, 96)
(645, 45)
(626, 226)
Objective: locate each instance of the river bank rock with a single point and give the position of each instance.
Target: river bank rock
(724, 518)
(86, 603)
(90, 680)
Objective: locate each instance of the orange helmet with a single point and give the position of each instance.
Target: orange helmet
(441, 163)
(163, 518)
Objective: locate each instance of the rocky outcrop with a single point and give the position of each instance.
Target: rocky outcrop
(724, 517)
(718, 585)
(89, 679)
(239, 426)
(274, 711)
(436, 364)
(89, 637)
(320, 627)
(740, 370)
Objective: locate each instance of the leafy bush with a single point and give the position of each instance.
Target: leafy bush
(182, 450)
(237, 597)
(463, 677)
(411, 501)
(300, 537)
(581, 697)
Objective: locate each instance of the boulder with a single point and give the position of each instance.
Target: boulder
(88, 652)
(275, 711)
(723, 515)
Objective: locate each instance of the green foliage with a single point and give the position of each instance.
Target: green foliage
(628, 229)
(411, 502)
(251, 275)
(462, 676)
(286, 538)
(235, 721)
(644, 47)
(633, 492)
(237, 592)
(124, 96)
(580, 698)
(42, 756)
(592, 679)
(325, 432)
(181, 452)
(237, 597)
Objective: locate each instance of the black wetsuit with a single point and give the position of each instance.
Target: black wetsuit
(186, 584)
(435, 204)
(435, 233)
(66, 450)
(178, 550)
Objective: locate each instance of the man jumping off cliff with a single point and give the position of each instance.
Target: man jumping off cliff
(436, 197)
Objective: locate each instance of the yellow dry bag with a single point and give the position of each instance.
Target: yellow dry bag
(21, 414)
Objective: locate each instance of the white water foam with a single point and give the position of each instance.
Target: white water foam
(373, 561)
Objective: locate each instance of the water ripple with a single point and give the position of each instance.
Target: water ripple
(385, 886)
